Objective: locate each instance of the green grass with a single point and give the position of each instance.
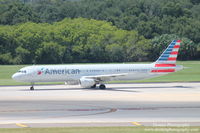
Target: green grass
(6, 71)
(190, 73)
(105, 130)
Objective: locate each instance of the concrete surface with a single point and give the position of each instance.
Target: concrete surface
(147, 104)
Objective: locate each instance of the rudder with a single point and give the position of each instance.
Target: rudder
(167, 61)
(169, 56)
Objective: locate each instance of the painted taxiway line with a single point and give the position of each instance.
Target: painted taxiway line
(21, 125)
(136, 123)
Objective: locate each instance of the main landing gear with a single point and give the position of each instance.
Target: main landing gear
(101, 86)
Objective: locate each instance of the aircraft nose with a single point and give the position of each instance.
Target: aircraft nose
(17, 77)
(20, 76)
(14, 76)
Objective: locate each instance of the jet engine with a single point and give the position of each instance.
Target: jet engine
(84, 82)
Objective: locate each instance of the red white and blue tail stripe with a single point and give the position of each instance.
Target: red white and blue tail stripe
(167, 61)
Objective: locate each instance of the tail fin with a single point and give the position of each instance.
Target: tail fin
(169, 56)
(167, 61)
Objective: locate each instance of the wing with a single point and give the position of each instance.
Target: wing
(101, 78)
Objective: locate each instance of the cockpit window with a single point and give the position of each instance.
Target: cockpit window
(22, 71)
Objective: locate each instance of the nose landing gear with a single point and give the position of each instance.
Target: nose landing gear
(32, 87)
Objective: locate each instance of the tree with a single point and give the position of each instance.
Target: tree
(23, 56)
(115, 53)
(188, 49)
(13, 12)
(89, 40)
(49, 53)
(6, 59)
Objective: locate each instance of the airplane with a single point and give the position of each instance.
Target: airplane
(89, 76)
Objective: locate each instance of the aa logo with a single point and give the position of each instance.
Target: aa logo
(40, 71)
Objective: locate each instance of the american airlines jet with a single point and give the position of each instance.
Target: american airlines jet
(89, 76)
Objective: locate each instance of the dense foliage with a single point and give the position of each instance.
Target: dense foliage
(136, 30)
(78, 40)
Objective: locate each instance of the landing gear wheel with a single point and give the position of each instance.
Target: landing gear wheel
(31, 88)
(94, 86)
(102, 86)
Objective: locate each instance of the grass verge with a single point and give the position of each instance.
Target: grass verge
(104, 130)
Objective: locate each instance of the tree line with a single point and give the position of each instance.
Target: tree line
(80, 40)
(68, 31)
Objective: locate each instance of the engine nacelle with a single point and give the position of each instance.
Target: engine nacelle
(84, 82)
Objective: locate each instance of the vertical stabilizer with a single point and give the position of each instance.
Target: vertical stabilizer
(169, 56)
(167, 61)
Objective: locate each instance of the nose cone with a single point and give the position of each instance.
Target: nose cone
(14, 76)
(17, 77)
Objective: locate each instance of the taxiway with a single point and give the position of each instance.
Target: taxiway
(147, 104)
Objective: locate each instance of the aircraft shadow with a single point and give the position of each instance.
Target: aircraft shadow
(86, 89)
(122, 89)
(52, 89)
